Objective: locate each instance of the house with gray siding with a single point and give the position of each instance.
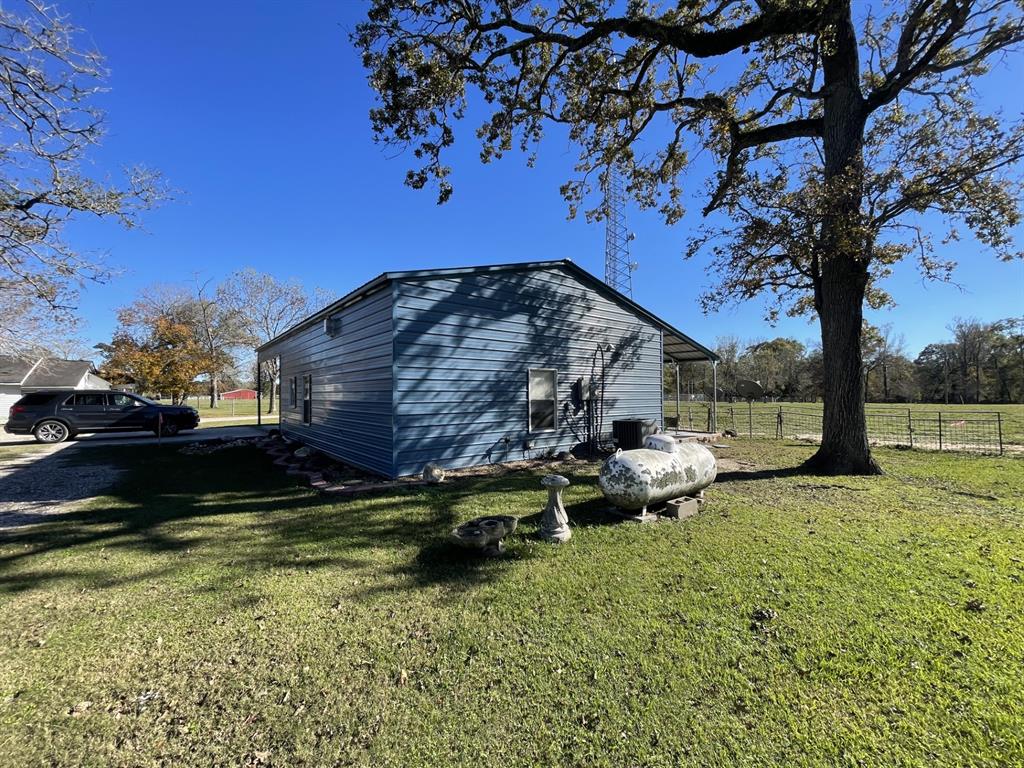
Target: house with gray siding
(21, 375)
(470, 366)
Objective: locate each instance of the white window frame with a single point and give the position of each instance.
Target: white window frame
(554, 401)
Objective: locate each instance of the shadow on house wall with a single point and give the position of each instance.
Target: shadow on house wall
(463, 349)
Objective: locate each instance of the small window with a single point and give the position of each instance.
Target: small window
(307, 399)
(332, 325)
(292, 396)
(543, 396)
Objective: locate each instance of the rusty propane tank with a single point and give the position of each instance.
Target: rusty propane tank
(663, 469)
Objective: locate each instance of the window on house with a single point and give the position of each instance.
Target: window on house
(543, 397)
(307, 399)
(292, 392)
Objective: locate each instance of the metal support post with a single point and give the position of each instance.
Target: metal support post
(679, 413)
(714, 397)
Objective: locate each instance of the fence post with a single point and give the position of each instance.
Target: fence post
(778, 425)
(750, 419)
(910, 427)
(940, 430)
(999, 430)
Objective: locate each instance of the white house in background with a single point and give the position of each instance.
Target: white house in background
(19, 375)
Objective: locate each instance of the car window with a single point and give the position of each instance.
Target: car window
(125, 401)
(90, 399)
(36, 398)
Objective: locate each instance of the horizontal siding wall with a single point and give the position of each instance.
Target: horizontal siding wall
(352, 384)
(463, 346)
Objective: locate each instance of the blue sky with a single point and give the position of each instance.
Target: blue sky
(257, 113)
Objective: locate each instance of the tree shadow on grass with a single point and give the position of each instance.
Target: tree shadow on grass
(234, 511)
(740, 476)
(439, 563)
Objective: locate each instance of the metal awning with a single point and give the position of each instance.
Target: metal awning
(678, 348)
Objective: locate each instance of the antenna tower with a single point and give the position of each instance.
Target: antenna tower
(618, 269)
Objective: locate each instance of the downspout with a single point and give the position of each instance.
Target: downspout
(259, 391)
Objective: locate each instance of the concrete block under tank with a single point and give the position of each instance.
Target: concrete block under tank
(663, 469)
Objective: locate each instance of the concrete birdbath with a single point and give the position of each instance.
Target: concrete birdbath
(485, 534)
(554, 523)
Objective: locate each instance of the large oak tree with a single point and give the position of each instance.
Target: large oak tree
(836, 126)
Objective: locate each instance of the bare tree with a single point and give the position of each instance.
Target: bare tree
(266, 307)
(836, 125)
(47, 125)
(24, 331)
(220, 330)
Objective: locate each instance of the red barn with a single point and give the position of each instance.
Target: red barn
(239, 394)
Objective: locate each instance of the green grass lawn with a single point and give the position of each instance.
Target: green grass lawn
(226, 408)
(17, 450)
(1012, 415)
(211, 612)
(239, 422)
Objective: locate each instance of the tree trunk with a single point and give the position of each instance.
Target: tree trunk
(844, 248)
(844, 441)
(213, 390)
(270, 408)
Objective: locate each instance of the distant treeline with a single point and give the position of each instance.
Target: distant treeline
(978, 363)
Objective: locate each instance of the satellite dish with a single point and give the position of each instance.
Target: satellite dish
(749, 390)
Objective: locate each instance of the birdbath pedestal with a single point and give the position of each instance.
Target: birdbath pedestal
(554, 523)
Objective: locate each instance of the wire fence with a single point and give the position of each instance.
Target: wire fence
(976, 432)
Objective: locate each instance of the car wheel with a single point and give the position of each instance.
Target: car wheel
(51, 432)
(168, 429)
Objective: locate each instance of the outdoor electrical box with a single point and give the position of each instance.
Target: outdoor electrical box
(582, 391)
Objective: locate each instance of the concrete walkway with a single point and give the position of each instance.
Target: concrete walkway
(145, 438)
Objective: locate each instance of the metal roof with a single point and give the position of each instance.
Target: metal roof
(678, 347)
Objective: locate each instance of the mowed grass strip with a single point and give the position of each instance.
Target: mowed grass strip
(1012, 415)
(209, 611)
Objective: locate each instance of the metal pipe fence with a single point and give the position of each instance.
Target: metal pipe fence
(975, 432)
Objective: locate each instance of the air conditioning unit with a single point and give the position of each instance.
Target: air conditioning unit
(629, 434)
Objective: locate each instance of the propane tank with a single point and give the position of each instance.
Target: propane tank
(663, 469)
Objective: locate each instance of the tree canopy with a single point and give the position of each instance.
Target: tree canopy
(835, 127)
(48, 124)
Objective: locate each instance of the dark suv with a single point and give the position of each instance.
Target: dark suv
(57, 415)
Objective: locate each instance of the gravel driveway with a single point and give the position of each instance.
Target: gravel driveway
(45, 481)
